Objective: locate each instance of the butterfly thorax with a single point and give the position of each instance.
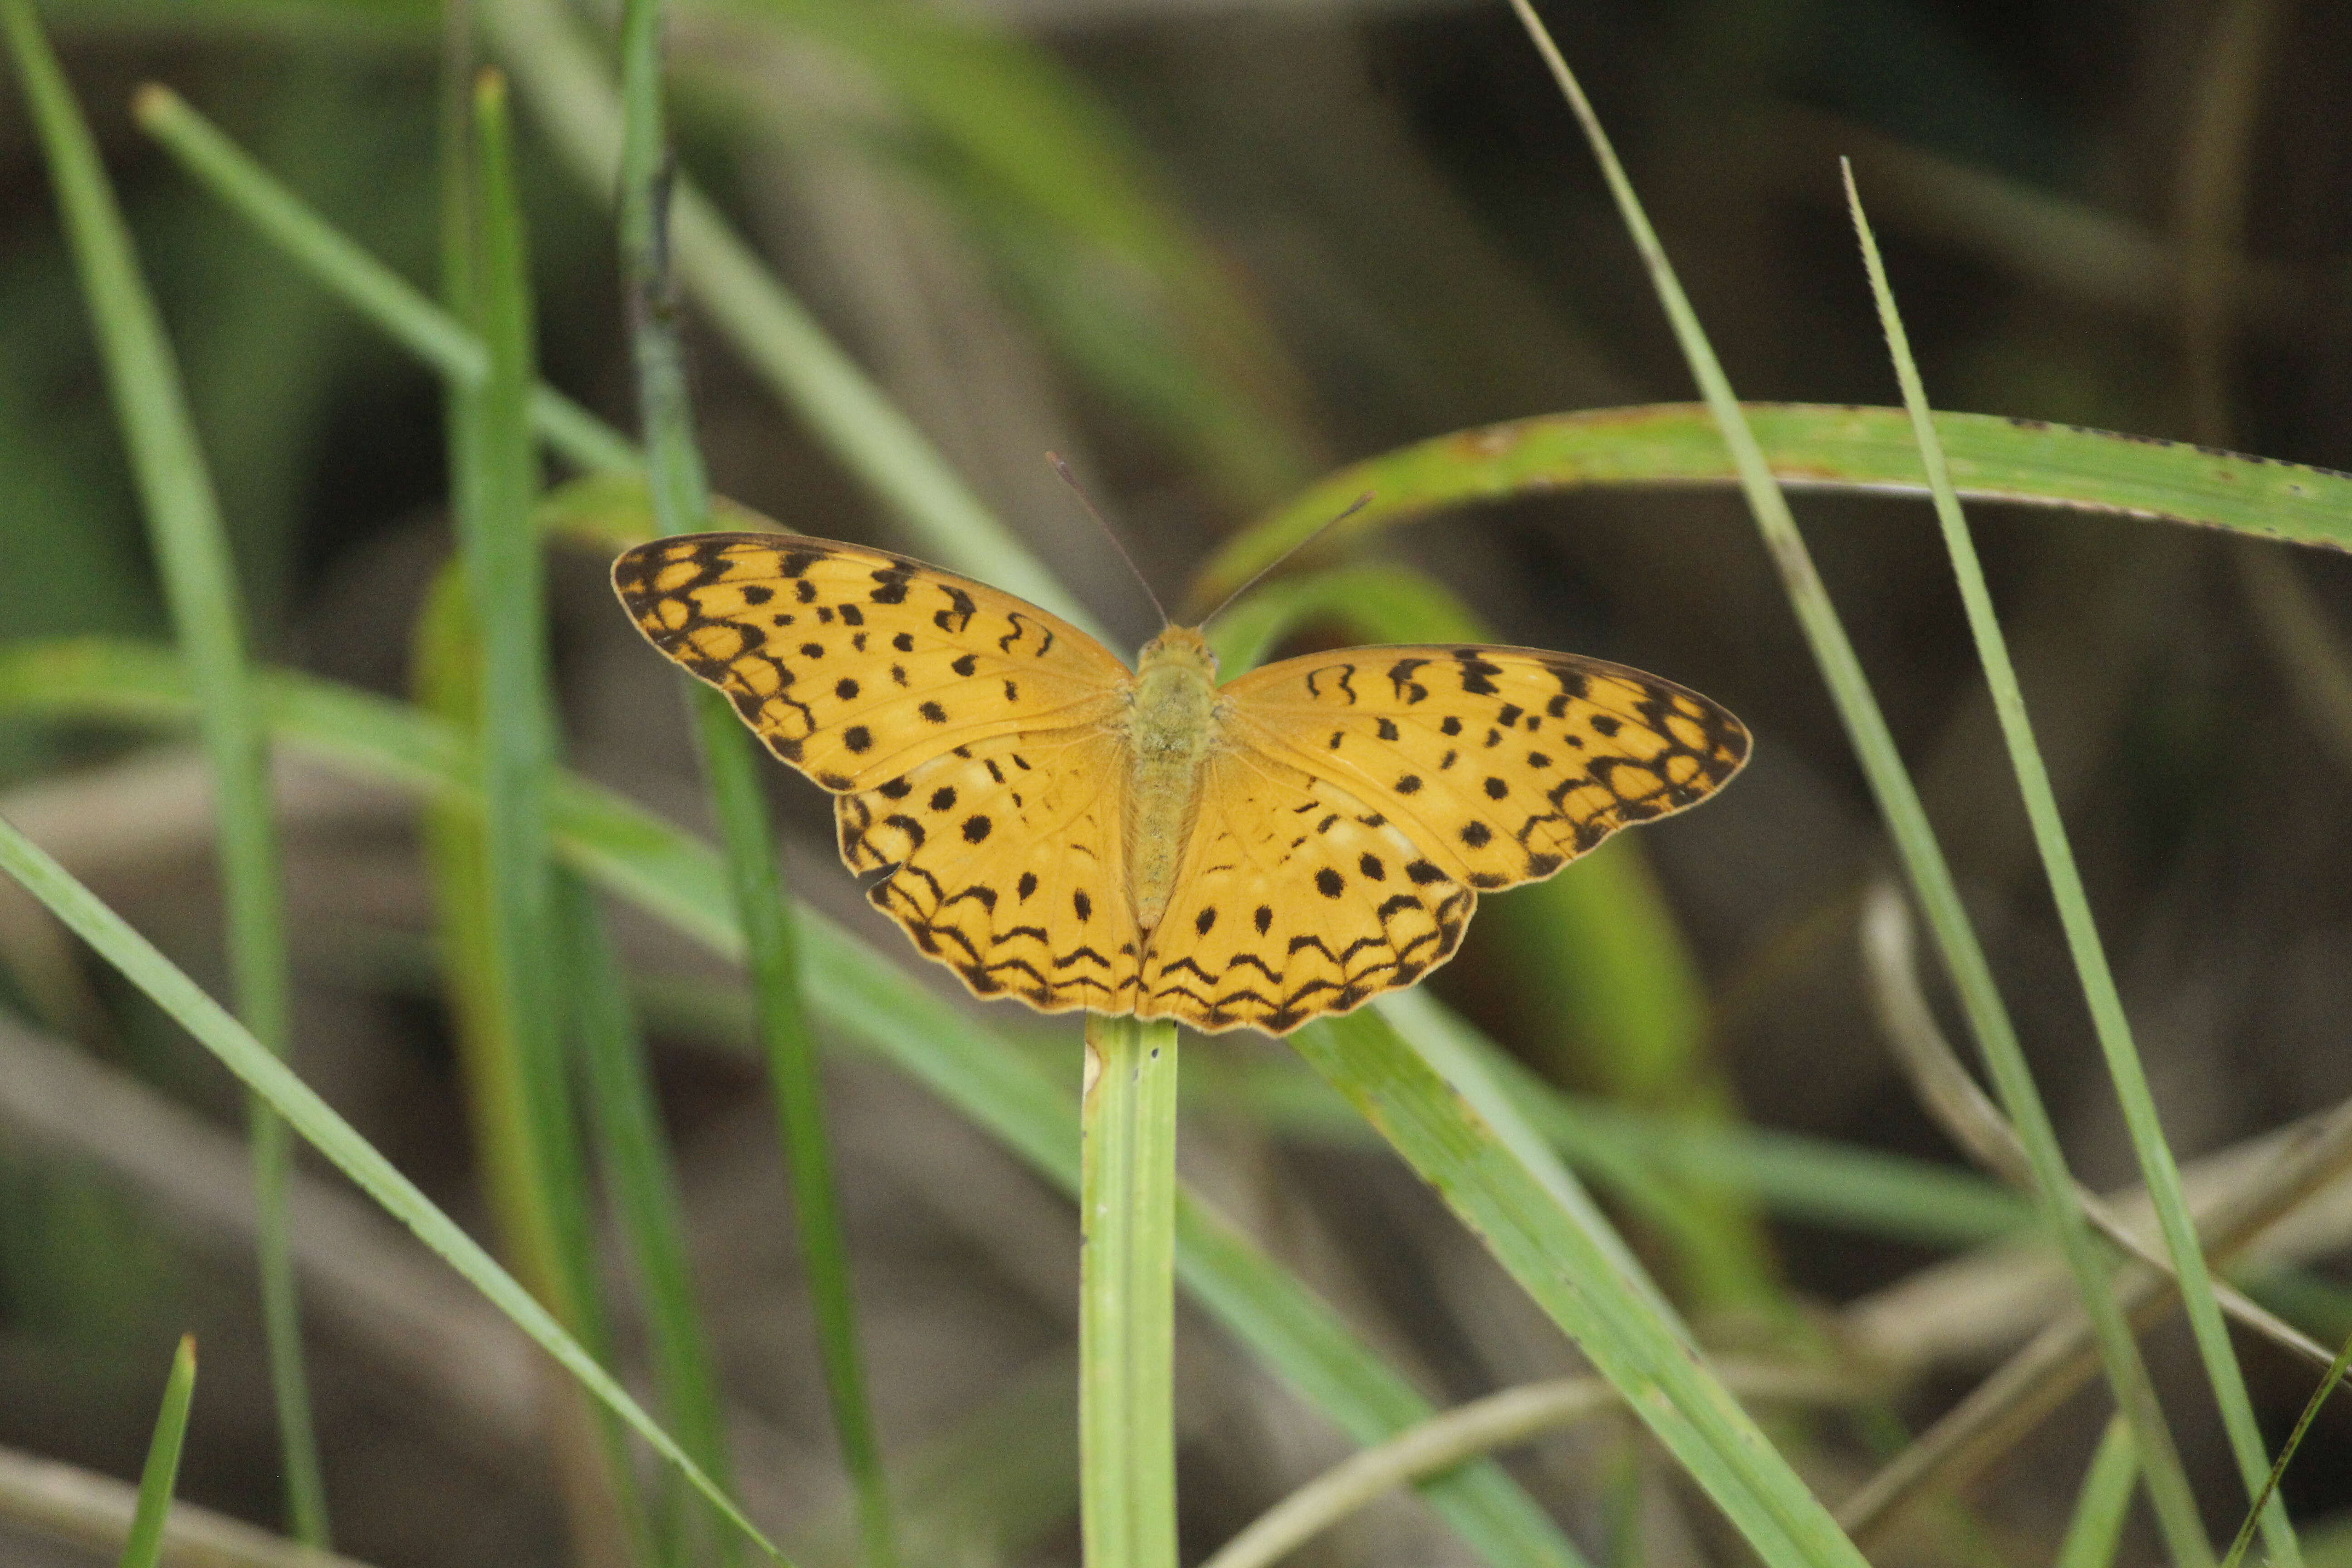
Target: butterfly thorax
(1171, 729)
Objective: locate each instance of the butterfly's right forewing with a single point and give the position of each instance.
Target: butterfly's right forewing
(975, 744)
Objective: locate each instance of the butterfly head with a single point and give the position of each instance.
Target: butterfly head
(1179, 648)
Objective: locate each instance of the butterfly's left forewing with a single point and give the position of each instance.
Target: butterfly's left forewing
(1501, 763)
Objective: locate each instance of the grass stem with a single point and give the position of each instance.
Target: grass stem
(1127, 1318)
(681, 500)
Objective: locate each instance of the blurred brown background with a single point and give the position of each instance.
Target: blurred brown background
(2126, 215)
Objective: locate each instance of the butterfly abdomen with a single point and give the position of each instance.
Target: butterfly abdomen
(1170, 728)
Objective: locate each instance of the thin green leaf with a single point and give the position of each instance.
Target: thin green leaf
(632, 1151)
(139, 963)
(144, 1546)
(497, 681)
(1567, 1262)
(2097, 1527)
(200, 583)
(401, 312)
(2335, 1375)
(2158, 1167)
(1915, 839)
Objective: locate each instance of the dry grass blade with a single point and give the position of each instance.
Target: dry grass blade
(1968, 1116)
(81, 1508)
(1467, 1431)
(2059, 1358)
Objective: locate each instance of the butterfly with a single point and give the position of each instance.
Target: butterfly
(1054, 827)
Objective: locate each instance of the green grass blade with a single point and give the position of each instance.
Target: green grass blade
(139, 961)
(401, 312)
(2028, 462)
(2097, 1527)
(532, 1175)
(681, 502)
(508, 620)
(632, 1151)
(1571, 1269)
(2158, 1167)
(1127, 1317)
(518, 1055)
(853, 989)
(1628, 1150)
(577, 107)
(145, 1547)
(1463, 1059)
(1930, 874)
(200, 583)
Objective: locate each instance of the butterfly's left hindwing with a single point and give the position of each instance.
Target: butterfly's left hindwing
(856, 664)
(1295, 898)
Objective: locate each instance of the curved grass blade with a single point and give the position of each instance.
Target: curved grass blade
(1923, 857)
(200, 583)
(1571, 1266)
(2030, 462)
(1500, 1420)
(482, 648)
(398, 309)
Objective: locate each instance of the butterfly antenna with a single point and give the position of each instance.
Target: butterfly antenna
(1353, 506)
(1111, 534)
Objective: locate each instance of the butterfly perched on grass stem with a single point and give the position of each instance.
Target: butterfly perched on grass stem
(1057, 827)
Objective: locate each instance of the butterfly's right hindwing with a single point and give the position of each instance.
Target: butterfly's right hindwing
(1005, 861)
(856, 664)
